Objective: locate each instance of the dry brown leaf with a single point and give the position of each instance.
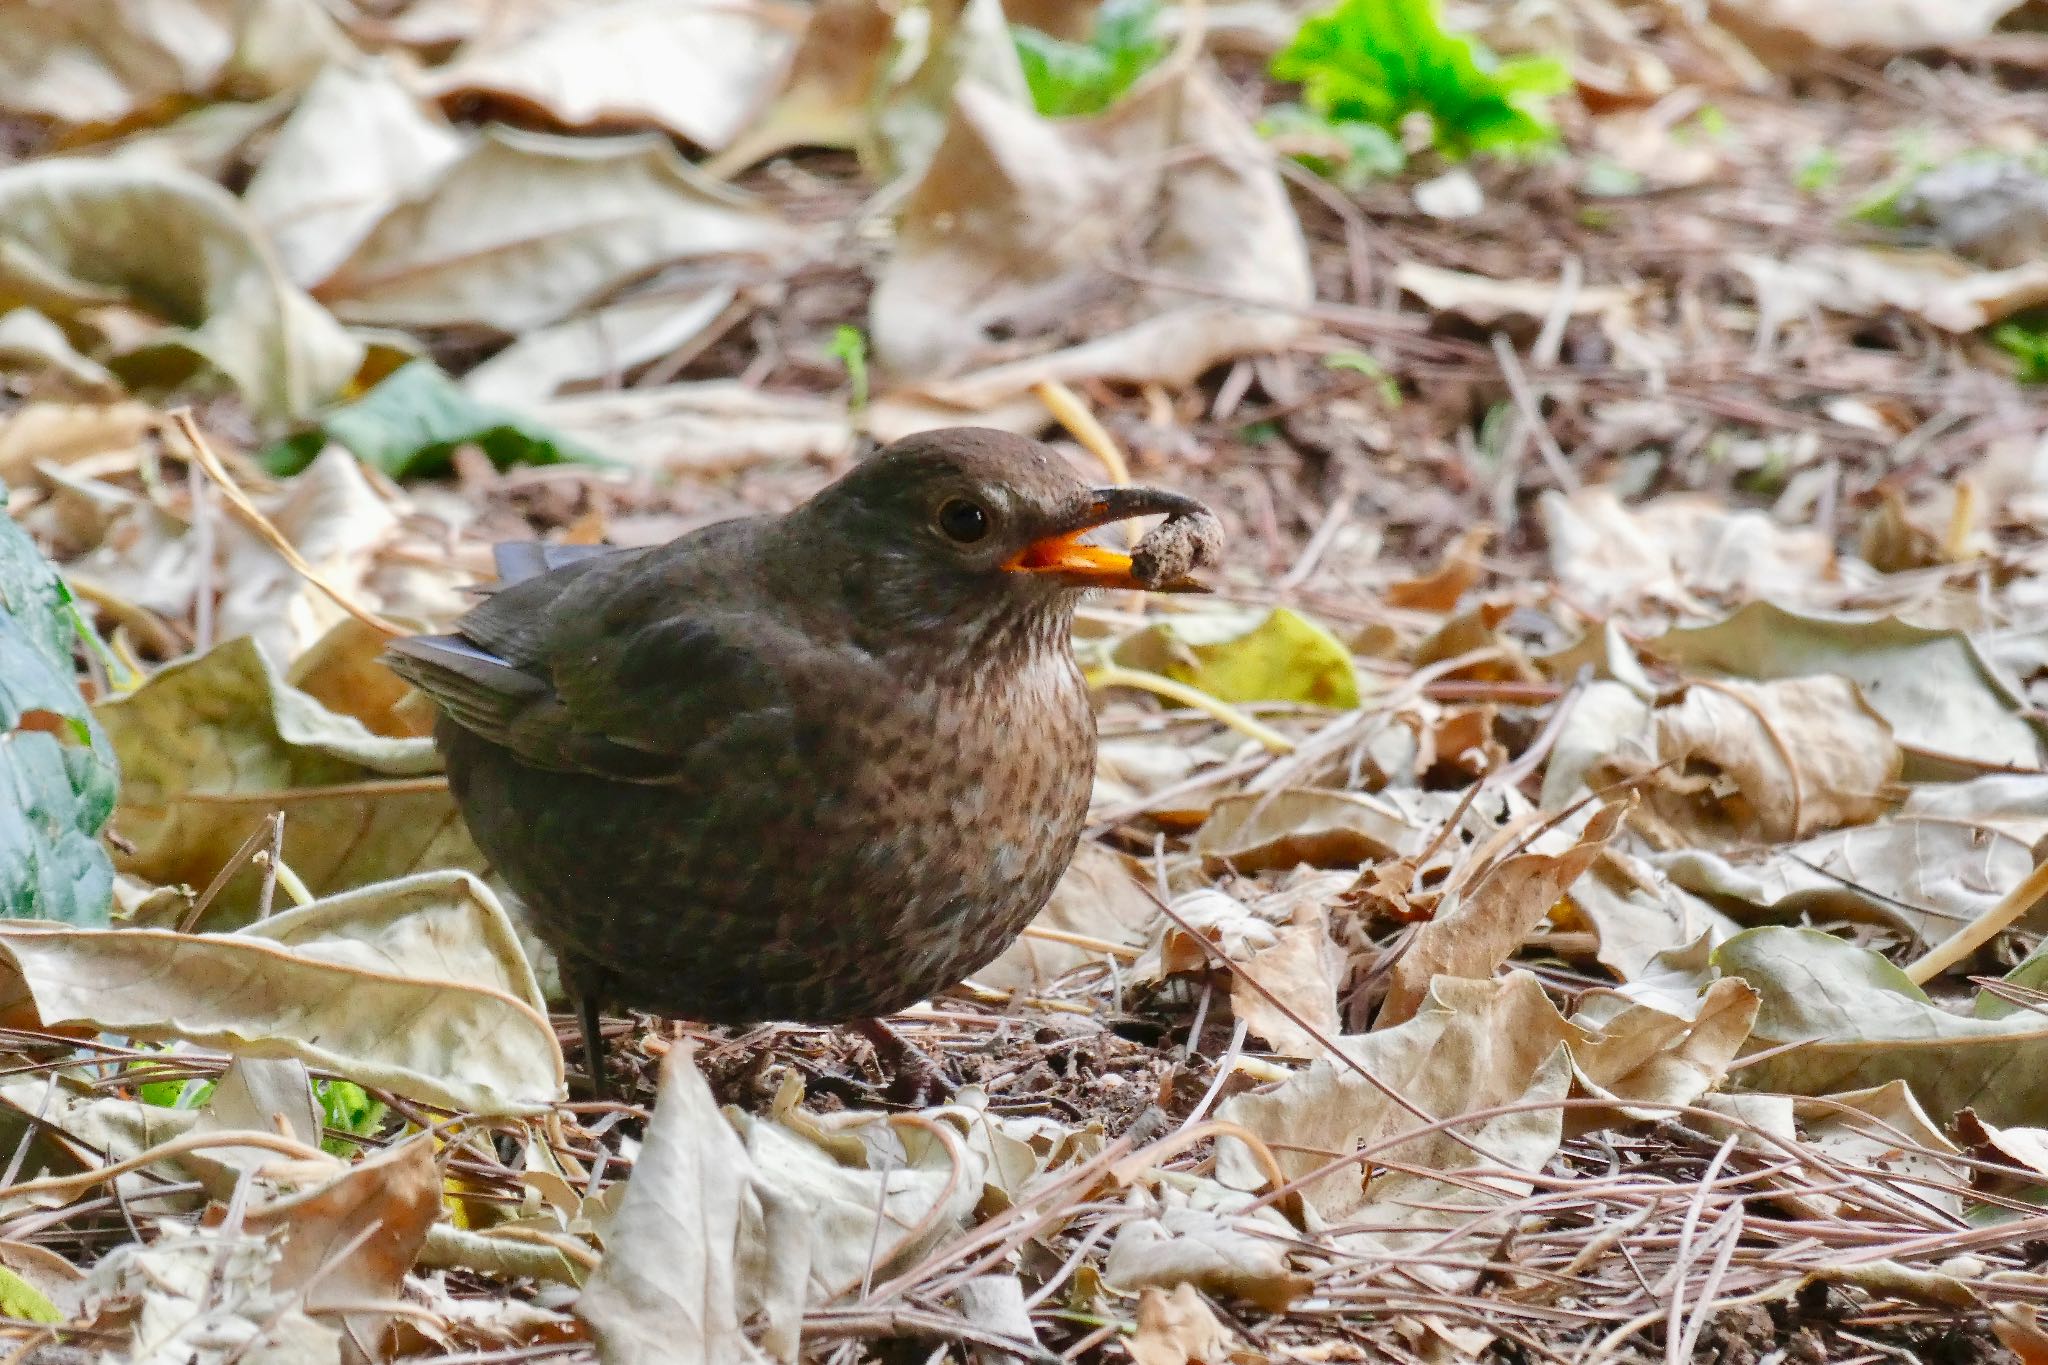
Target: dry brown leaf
(1259, 831)
(87, 62)
(1302, 970)
(1203, 1238)
(1943, 289)
(1007, 231)
(1735, 763)
(707, 427)
(1473, 1045)
(349, 1243)
(1643, 1055)
(1456, 574)
(1177, 1329)
(605, 343)
(1879, 26)
(418, 985)
(1480, 926)
(1488, 302)
(60, 434)
(527, 228)
(357, 145)
(699, 71)
(826, 99)
(1674, 549)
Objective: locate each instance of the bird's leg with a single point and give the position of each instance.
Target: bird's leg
(593, 1041)
(918, 1079)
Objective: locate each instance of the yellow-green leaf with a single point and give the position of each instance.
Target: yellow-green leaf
(22, 1300)
(1240, 656)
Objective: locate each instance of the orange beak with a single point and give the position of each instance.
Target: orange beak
(1064, 554)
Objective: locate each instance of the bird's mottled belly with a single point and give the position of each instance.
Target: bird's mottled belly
(893, 857)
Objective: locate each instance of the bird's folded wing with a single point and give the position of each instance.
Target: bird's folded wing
(651, 704)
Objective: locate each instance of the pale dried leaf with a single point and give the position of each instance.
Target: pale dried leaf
(1301, 969)
(1735, 762)
(417, 985)
(526, 229)
(1008, 229)
(225, 725)
(1942, 698)
(1639, 1053)
(602, 344)
(1489, 302)
(101, 61)
(165, 1296)
(1877, 26)
(1100, 898)
(1478, 926)
(1257, 831)
(699, 71)
(356, 147)
(75, 234)
(702, 427)
(1177, 1329)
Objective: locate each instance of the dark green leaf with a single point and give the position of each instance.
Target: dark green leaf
(408, 425)
(57, 774)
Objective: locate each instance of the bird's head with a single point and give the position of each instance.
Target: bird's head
(968, 530)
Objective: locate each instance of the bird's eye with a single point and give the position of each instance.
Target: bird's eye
(963, 521)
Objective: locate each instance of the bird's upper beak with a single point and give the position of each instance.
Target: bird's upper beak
(1060, 551)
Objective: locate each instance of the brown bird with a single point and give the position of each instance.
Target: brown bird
(811, 767)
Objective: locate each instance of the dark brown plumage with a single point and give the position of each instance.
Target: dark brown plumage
(812, 767)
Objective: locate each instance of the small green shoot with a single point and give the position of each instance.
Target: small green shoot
(1819, 172)
(850, 345)
(346, 1108)
(1258, 433)
(1708, 124)
(2027, 344)
(1358, 362)
(1070, 80)
(1378, 62)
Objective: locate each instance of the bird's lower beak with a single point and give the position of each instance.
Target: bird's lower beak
(1063, 554)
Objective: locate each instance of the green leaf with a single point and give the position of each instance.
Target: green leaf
(408, 425)
(347, 1108)
(57, 771)
(1242, 657)
(23, 1301)
(1375, 62)
(850, 345)
(2026, 344)
(1076, 79)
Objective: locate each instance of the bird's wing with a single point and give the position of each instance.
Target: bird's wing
(603, 667)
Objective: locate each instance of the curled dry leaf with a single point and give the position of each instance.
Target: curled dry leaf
(1944, 700)
(1178, 1329)
(1258, 831)
(827, 96)
(1007, 231)
(1300, 971)
(164, 1297)
(1473, 1045)
(699, 71)
(605, 343)
(1490, 303)
(204, 742)
(357, 145)
(1674, 550)
(1479, 925)
(1203, 1237)
(1942, 289)
(526, 229)
(77, 234)
(347, 1244)
(1735, 763)
(722, 1227)
(418, 986)
(1896, 26)
(707, 427)
(89, 62)
(1637, 1052)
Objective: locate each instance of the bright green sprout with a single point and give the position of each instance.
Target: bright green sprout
(1069, 80)
(850, 345)
(1379, 62)
(2026, 344)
